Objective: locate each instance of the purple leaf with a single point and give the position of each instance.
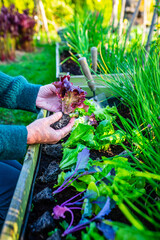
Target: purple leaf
(105, 210)
(58, 211)
(107, 230)
(83, 158)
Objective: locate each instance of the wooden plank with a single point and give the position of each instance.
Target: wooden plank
(99, 79)
(13, 222)
(57, 60)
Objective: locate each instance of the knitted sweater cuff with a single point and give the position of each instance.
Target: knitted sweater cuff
(13, 142)
(17, 93)
(26, 100)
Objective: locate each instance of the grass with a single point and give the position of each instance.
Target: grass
(38, 68)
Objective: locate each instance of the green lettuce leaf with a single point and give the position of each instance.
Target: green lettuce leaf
(115, 138)
(104, 128)
(70, 156)
(92, 233)
(83, 182)
(83, 134)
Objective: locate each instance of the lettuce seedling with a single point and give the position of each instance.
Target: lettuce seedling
(82, 161)
(60, 210)
(103, 212)
(67, 206)
(72, 97)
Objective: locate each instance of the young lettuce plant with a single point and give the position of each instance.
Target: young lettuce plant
(71, 97)
(82, 160)
(67, 206)
(106, 209)
(60, 210)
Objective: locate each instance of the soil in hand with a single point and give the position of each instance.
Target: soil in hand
(62, 122)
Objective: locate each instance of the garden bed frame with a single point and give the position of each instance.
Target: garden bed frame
(17, 216)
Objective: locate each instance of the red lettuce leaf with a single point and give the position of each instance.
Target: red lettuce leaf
(72, 96)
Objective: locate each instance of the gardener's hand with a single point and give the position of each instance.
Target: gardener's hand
(40, 131)
(47, 98)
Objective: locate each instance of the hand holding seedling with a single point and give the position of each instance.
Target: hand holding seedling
(40, 131)
(59, 96)
(48, 99)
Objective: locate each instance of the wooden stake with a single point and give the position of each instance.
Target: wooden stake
(144, 21)
(132, 21)
(94, 58)
(121, 18)
(114, 15)
(152, 27)
(44, 19)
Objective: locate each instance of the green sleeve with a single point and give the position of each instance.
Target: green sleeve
(13, 142)
(17, 93)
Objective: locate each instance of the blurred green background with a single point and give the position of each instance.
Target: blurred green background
(38, 68)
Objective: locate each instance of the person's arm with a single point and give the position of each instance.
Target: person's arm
(17, 93)
(14, 139)
(13, 142)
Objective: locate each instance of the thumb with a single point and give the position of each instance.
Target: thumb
(52, 87)
(54, 118)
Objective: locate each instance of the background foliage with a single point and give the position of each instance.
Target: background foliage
(61, 10)
(37, 68)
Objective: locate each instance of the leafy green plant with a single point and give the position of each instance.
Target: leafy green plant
(92, 233)
(84, 134)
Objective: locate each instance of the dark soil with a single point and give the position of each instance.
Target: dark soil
(62, 122)
(69, 66)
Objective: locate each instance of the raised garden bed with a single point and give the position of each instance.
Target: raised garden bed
(40, 222)
(34, 209)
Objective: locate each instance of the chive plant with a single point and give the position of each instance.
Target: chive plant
(141, 93)
(88, 31)
(85, 33)
(113, 58)
(77, 37)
